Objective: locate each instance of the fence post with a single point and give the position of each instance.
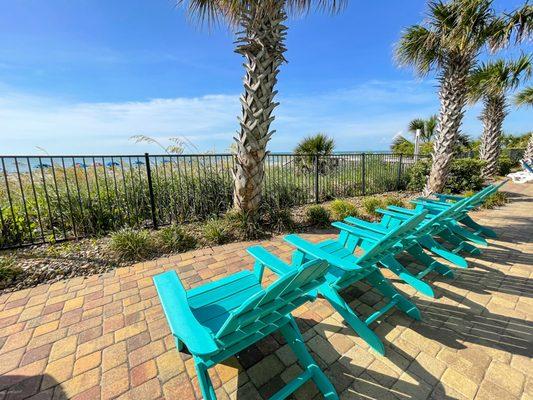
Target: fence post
(315, 162)
(399, 172)
(363, 186)
(150, 190)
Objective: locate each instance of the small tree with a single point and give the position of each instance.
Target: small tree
(491, 82)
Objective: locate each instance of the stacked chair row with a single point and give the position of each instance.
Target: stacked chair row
(219, 319)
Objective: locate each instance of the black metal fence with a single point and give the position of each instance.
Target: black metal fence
(55, 198)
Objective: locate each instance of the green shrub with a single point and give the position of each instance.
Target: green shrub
(216, 231)
(279, 219)
(370, 204)
(495, 200)
(132, 244)
(8, 270)
(505, 165)
(342, 209)
(243, 225)
(318, 215)
(465, 174)
(417, 176)
(174, 238)
(394, 201)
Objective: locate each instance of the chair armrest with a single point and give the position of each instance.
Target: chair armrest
(445, 197)
(392, 214)
(430, 205)
(406, 211)
(359, 231)
(266, 259)
(181, 320)
(315, 252)
(366, 225)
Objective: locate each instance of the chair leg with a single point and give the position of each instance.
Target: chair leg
(430, 244)
(395, 266)
(430, 263)
(468, 235)
(294, 339)
(352, 319)
(378, 281)
(468, 221)
(459, 243)
(204, 381)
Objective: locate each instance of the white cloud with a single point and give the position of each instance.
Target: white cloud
(363, 117)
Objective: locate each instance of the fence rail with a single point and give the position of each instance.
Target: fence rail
(55, 198)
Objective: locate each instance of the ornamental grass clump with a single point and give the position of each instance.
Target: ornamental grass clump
(8, 270)
(173, 238)
(342, 209)
(216, 231)
(371, 204)
(318, 216)
(394, 201)
(133, 244)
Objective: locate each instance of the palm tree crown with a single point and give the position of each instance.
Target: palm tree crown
(496, 78)
(491, 81)
(524, 97)
(449, 41)
(427, 127)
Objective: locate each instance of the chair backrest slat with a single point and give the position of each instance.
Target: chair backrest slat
(277, 300)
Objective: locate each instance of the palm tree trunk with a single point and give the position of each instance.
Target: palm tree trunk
(528, 155)
(494, 112)
(452, 96)
(262, 45)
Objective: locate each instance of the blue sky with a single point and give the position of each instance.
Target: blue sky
(84, 76)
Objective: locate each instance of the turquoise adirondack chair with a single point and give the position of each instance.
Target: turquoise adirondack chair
(414, 243)
(347, 268)
(449, 230)
(219, 319)
(466, 220)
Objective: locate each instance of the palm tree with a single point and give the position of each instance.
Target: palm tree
(427, 127)
(491, 82)
(261, 41)
(449, 42)
(524, 97)
(311, 146)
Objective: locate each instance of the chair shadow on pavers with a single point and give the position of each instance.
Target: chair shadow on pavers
(13, 387)
(355, 371)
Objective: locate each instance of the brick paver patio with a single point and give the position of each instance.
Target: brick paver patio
(106, 336)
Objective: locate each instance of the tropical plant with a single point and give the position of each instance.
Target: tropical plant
(318, 215)
(449, 42)
(427, 127)
(216, 231)
(371, 204)
(491, 82)
(524, 97)
(342, 209)
(174, 238)
(312, 146)
(261, 41)
(132, 244)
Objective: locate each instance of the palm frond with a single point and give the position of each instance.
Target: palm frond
(524, 97)
(497, 77)
(417, 123)
(419, 47)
